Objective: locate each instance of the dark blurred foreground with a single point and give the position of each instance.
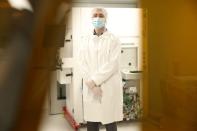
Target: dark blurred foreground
(26, 60)
(170, 69)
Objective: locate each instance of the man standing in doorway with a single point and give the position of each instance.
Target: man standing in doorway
(100, 68)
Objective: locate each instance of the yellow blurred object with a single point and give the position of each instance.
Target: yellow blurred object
(172, 74)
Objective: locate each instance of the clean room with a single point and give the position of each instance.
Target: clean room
(65, 99)
(123, 20)
(98, 65)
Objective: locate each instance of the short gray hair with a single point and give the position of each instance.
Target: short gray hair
(103, 10)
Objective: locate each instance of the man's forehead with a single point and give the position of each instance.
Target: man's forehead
(98, 12)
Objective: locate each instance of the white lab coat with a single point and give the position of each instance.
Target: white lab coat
(99, 59)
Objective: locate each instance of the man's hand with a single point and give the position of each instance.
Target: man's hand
(95, 89)
(90, 84)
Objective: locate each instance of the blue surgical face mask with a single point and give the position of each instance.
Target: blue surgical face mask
(98, 22)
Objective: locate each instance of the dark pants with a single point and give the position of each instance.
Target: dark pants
(94, 126)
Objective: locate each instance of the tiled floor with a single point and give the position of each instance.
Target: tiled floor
(58, 123)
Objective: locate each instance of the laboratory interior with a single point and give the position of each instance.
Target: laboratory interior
(41, 87)
(65, 98)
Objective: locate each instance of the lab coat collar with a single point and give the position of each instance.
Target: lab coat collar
(94, 33)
